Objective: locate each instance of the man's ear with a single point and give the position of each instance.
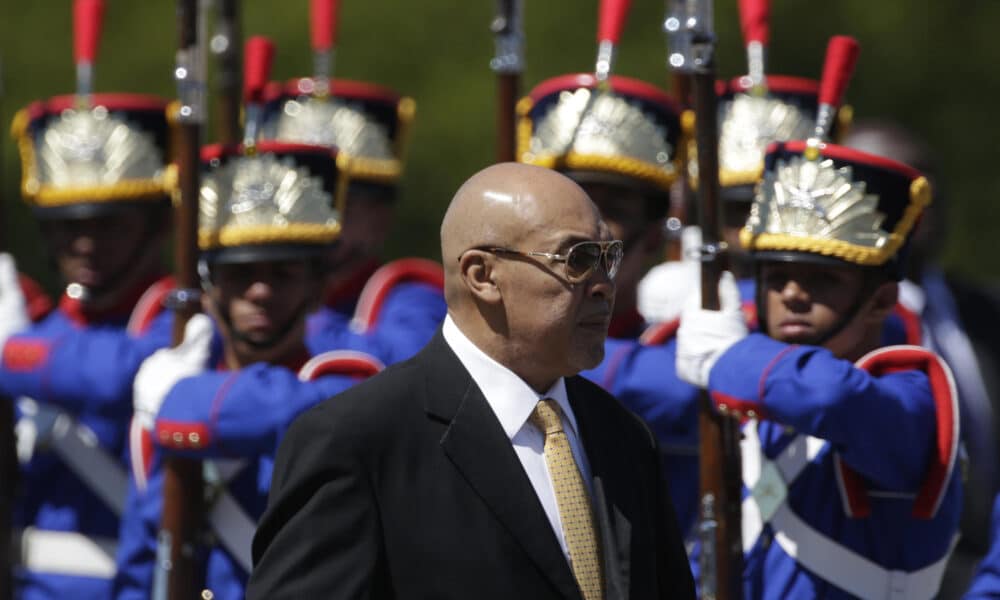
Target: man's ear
(479, 276)
(883, 301)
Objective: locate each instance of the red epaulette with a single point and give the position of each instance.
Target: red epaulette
(892, 359)
(347, 363)
(404, 270)
(654, 335)
(150, 305)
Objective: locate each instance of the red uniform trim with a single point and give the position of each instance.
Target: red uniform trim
(725, 402)
(341, 362)
(779, 84)
(140, 452)
(214, 151)
(113, 102)
(39, 303)
(622, 85)
(661, 333)
(149, 306)
(22, 355)
(181, 435)
(850, 154)
(908, 358)
(388, 276)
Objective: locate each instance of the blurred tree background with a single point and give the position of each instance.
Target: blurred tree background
(931, 65)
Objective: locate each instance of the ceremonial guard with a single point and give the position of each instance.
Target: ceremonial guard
(266, 226)
(400, 304)
(620, 139)
(849, 445)
(95, 173)
(755, 110)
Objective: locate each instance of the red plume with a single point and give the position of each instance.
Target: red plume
(841, 56)
(259, 54)
(611, 20)
(323, 18)
(87, 16)
(755, 16)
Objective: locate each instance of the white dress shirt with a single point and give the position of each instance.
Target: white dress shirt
(513, 401)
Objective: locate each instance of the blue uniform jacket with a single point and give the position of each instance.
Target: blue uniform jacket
(877, 481)
(238, 418)
(83, 369)
(398, 311)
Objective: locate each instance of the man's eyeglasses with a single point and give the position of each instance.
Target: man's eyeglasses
(581, 259)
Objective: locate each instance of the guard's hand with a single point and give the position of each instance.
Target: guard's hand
(704, 335)
(164, 368)
(13, 307)
(665, 289)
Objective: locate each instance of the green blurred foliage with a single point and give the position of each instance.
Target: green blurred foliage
(931, 65)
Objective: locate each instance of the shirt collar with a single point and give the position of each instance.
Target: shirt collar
(511, 399)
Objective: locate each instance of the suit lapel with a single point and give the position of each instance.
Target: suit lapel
(609, 486)
(476, 444)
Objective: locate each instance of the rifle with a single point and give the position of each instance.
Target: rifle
(177, 576)
(721, 560)
(507, 63)
(226, 48)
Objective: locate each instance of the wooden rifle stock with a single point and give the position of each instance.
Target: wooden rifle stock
(183, 493)
(720, 468)
(507, 92)
(680, 192)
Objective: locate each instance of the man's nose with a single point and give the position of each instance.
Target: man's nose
(259, 290)
(600, 285)
(793, 293)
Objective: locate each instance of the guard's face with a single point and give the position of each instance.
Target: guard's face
(95, 252)
(624, 211)
(563, 324)
(265, 300)
(805, 302)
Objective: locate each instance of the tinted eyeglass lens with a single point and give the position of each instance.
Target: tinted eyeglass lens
(582, 259)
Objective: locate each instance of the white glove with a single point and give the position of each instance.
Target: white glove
(165, 367)
(665, 289)
(704, 335)
(13, 307)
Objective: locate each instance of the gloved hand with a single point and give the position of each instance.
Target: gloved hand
(664, 290)
(165, 367)
(13, 307)
(704, 335)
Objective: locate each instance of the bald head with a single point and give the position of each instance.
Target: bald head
(500, 206)
(505, 242)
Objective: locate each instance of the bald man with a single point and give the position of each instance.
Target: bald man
(484, 467)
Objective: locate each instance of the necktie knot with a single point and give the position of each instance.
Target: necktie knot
(546, 416)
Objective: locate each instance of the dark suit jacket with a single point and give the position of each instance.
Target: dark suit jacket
(406, 486)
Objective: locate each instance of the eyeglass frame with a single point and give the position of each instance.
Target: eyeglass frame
(563, 258)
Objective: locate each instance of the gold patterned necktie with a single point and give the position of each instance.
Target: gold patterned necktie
(575, 510)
